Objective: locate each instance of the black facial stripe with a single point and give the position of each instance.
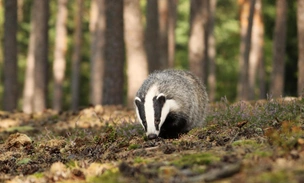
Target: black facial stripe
(157, 106)
(142, 114)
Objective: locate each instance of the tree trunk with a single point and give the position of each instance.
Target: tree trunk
(211, 50)
(41, 10)
(261, 61)
(98, 30)
(20, 4)
(163, 33)
(28, 91)
(137, 63)
(152, 35)
(196, 44)
(10, 55)
(76, 56)
(246, 19)
(115, 54)
(59, 56)
(29, 85)
(171, 31)
(262, 77)
(279, 44)
(256, 51)
(300, 22)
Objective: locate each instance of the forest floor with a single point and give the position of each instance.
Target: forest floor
(260, 141)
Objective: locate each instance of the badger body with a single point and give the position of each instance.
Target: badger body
(170, 102)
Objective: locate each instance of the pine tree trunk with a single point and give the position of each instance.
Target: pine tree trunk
(10, 56)
(115, 54)
(28, 91)
(256, 51)
(279, 45)
(98, 30)
(246, 18)
(171, 31)
(163, 33)
(20, 4)
(262, 77)
(152, 35)
(41, 54)
(59, 56)
(211, 51)
(300, 22)
(197, 39)
(76, 56)
(137, 63)
(261, 65)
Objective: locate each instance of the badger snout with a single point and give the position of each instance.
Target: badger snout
(152, 136)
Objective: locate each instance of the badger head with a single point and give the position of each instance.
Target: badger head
(152, 111)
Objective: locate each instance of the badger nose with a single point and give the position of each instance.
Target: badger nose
(152, 136)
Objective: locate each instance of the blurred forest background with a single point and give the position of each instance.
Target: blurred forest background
(65, 54)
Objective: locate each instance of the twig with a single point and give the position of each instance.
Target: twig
(97, 116)
(76, 123)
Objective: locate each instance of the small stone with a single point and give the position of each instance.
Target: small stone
(57, 167)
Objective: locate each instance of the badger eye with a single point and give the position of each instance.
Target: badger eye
(157, 122)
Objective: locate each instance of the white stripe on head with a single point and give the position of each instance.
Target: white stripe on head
(152, 92)
(170, 105)
(137, 112)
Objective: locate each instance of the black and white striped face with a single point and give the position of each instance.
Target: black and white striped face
(152, 111)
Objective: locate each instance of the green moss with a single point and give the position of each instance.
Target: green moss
(275, 177)
(196, 159)
(38, 175)
(139, 159)
(109, 176)
(247, 142)
(133, 146)
(72, 164)
(259, 153)
(23, 161)
(20, 129)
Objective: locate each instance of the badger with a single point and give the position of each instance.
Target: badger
(170, 102)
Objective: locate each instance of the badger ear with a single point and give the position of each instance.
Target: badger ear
(137, 101)
(161, 98)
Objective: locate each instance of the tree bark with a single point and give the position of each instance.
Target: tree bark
(262, 77)
(28, 91)
(197, 39)
(137, 63)
(246, 19)
(211, 50)
(163, 33)
(171, 31)
(300, 22)
(256, 50)
(20, 4)
(98, 31)
(152, 35)
(41, 54)
(279, 45)
(10, 55)
(115, 54)
(59, 56)
(76, 55)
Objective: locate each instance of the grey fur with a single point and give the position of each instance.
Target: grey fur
(183, 87)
